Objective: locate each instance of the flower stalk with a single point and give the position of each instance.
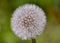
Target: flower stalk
(33, 40)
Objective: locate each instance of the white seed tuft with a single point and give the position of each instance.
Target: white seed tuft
(28, 21)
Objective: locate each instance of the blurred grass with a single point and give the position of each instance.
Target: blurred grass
(51, 33)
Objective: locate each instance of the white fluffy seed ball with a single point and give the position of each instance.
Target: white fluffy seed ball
(28, 21)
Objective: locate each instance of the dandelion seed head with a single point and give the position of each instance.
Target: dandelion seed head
(28, 21)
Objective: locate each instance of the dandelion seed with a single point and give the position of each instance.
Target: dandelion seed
(28, 21)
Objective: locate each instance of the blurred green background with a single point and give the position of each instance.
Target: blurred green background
(51, 33)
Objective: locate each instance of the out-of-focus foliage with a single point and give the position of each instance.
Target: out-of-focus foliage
(51, 33)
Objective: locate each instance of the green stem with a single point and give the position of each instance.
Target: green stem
(33, 41)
